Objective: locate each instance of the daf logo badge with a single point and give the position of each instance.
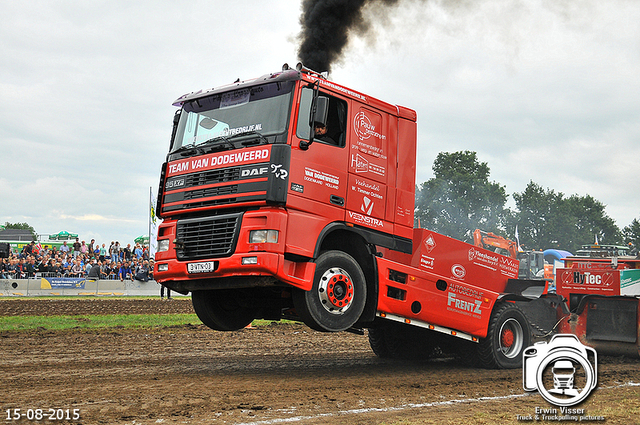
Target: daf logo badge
(254, 171)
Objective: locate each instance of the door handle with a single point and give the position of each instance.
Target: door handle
(337, 200)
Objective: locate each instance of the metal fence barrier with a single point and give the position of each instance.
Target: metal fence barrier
(52, 286)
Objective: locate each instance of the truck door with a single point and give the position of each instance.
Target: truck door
(319, 172)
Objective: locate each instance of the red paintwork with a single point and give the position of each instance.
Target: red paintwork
(377, 135)
(474, 277)
(449, 283)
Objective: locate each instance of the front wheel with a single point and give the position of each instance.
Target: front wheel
(337, 297)
(508, 336)
(223, 310)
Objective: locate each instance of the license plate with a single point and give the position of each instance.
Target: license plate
(208, 266)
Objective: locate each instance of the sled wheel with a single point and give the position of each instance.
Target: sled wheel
(337, 297)
(222, 310)
(508, 336)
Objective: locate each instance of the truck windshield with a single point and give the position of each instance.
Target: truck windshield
(261, 111)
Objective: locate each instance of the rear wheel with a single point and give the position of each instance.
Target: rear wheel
(337, 297)
(384, 342)
(390, 340)
(508, 336)
(223, 310)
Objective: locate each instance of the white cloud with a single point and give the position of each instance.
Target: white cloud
(543, 90)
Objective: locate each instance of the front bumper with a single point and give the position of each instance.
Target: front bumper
(266, 269)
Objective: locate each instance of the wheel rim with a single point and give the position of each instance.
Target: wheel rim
(335, 290)
(511, 338)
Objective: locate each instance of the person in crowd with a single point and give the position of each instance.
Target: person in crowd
(84, 249)
(76, 248)
(28, 249)
(104, 269)
(102, 254)
(67, 263)
(115, 252)
(76, 269)
(142, 272)
(21, 269)
(94, 270)
(57, 270)
(137, 251)
(91, 247)
(4, 264)
(65, 248)
(66, 269)
(42, 266)
(127, 252)
(89, 266)
(125, 271)
(30, 267)
(109, 269)
(13, 270)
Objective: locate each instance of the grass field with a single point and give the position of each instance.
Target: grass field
(17, 323)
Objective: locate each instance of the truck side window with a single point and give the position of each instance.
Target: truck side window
(336, 119)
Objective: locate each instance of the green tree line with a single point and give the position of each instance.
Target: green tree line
(22, 226)
(460, 198)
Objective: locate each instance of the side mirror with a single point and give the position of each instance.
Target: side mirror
(176, 120)
(304, 145)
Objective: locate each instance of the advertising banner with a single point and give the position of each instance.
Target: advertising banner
(62, 283)
(630, 282)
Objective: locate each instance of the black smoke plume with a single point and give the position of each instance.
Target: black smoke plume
(326, 25)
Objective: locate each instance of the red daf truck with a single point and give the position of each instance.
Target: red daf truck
(291, 196)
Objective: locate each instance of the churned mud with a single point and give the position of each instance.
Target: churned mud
(284, 373)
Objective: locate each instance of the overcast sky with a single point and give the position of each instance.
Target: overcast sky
(542, 90)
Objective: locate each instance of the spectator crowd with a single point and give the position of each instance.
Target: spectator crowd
(91, 261)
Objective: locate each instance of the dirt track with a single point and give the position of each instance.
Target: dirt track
(268, 375)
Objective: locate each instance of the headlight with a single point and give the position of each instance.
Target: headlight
(249, 260)
(163, 267)
(263, 236)
(163, 245)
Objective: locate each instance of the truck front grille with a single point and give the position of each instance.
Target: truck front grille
(207, 237)
(213, 176)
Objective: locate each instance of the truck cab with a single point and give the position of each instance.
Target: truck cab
(259, 211)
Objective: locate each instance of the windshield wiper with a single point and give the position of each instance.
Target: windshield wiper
(260, 140)
(190, 147)
(187, 150)
(224, 139)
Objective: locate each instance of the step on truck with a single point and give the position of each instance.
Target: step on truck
(291, 196)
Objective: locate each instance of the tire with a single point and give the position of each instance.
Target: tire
(383, 343)
(338, 295)
(401, 342)
(509, 334)
(222, 310)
